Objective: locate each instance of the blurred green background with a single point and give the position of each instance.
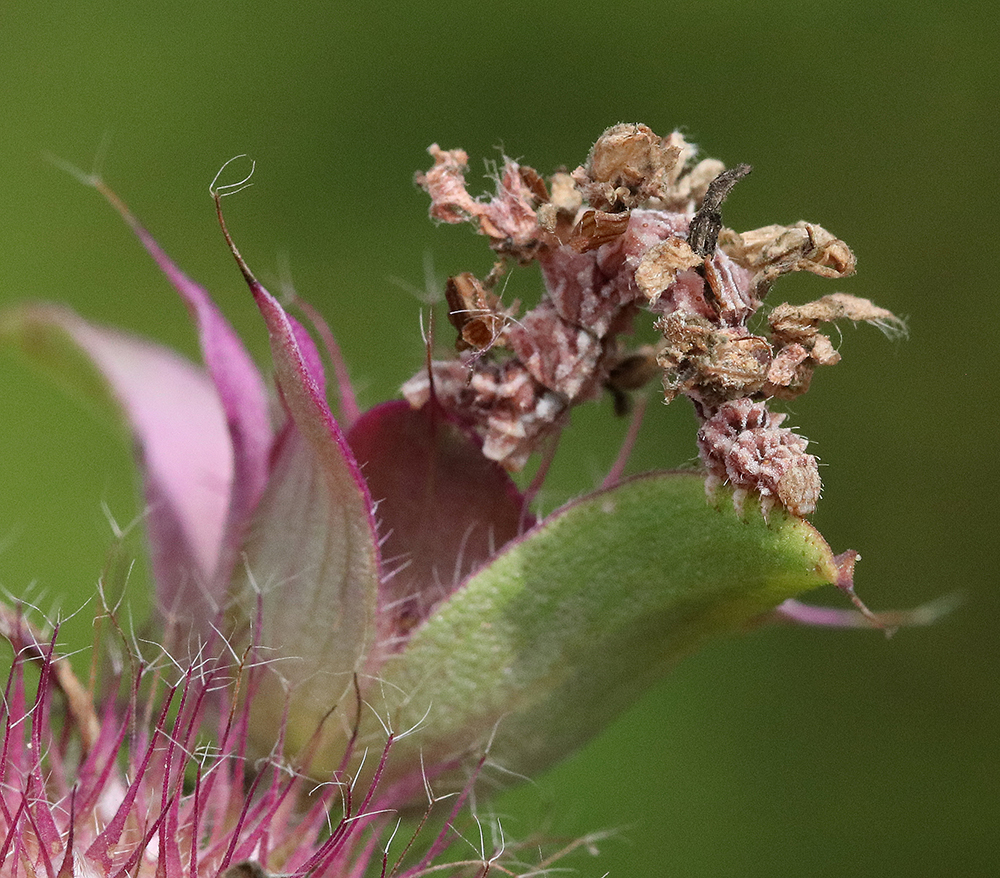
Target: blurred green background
(791, 752)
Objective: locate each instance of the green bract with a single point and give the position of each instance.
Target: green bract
(568, 626)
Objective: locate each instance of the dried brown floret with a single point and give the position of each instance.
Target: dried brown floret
(475, 312)
(627, 166)
(775, 250)
(688, 192)
(710, 364)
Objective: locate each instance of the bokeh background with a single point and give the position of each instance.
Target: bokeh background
(791, 752)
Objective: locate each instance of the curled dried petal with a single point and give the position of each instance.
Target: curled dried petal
(800, 322)
(508, 219)
(445, 183)
(784, 368)
(775, 250)
(800, 247)
(802, 347)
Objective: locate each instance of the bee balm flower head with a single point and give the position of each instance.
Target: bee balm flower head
(367, 599)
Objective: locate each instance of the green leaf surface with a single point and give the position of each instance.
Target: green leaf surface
(566, 628)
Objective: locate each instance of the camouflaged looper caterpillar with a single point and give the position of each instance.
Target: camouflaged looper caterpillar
(637, 228)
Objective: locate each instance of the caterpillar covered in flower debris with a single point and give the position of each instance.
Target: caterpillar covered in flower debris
(637, 228)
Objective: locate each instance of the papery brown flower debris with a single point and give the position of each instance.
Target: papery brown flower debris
(637, 227)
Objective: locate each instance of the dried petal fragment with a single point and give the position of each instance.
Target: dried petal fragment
(445, 183)
(775, 250)
(509, 218)
(501, 402)
(659, 265)
(627, 166)
(795, 329)
(559, 355)
(596, 228)
(784, 370)
(566, 198)
(688, 192)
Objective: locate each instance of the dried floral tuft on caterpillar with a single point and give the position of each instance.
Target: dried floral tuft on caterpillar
(637, 228)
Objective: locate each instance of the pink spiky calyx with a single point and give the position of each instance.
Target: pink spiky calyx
(156, 780)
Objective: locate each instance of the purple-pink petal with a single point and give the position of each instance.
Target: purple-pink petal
(179, 429)
(241, 392)
(797, 613)
(443, 509)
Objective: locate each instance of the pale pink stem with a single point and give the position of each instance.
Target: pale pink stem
(615, 473)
